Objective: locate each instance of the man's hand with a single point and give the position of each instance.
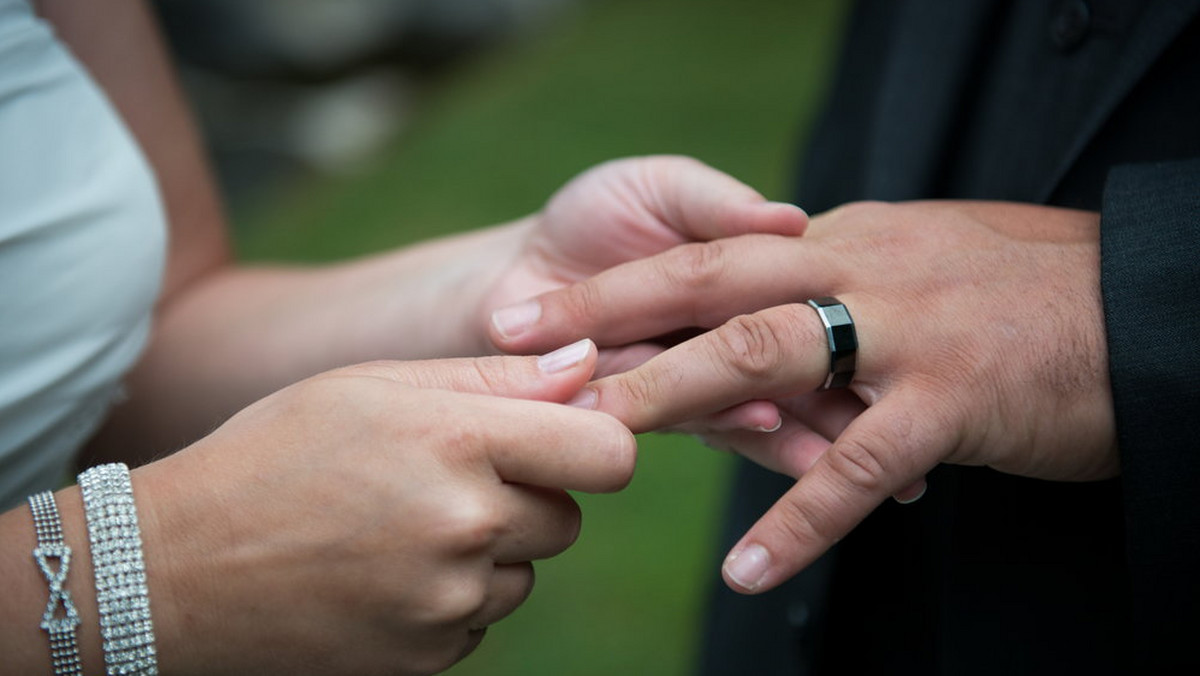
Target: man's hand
(981, 342)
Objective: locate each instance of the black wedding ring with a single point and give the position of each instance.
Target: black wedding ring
(843, 341)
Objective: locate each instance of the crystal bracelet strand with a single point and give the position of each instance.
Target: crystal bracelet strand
(121, 592)
(64, 650)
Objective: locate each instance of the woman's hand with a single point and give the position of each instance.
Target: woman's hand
(373, 519)
(617, 212)
(981, 342)
(240, 333)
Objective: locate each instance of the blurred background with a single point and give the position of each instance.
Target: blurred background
(340, 127)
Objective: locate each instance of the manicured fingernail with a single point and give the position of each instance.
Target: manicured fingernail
(748, 566)
(772, 428)
(918, 496)
(564, 357)
(787, 205)
(585, 398)
(514, 320)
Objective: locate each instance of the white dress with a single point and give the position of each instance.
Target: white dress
(82, 248)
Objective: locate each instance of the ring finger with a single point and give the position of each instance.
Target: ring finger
(778, 352)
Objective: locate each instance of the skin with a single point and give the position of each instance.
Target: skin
(227, 334)
(350, 519)
(412, 537)
(341, 526)
(981, 343)
(240, 332)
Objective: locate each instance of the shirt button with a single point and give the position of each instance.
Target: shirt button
(1070, 24)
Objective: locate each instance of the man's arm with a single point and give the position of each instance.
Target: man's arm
(1150, 233)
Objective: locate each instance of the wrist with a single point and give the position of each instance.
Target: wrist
(122, 594)
(81, 581)
(180, 605)
(463, 299)
(23, 642)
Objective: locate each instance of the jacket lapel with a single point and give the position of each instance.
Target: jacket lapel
(1159, 25)
(930, 65)
(979, 102)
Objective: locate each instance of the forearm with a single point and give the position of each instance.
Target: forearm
(241, 333)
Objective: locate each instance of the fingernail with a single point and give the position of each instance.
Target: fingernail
(772, 428)
(564, 357)
(748, 566)
(585, 398)
(514, 320)
(918, 496)
(788, 205)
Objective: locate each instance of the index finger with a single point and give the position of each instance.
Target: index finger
(700, 284)
(551, 377)
(548, 445)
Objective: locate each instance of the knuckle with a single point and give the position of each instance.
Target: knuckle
(614, 458)
(695, 266)
(461, 446)
(798, 523)
(638, 393)
(572, 519)
(860, 463)
(875, 230)
(339, 394)
(522, 579)
(865, 211)
(623, 461)
(663, 170)
(470, 525)
(751, 346)
(495, 374)
(582, 302)
(455, 600)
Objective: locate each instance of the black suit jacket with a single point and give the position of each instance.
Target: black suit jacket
(1093, 105)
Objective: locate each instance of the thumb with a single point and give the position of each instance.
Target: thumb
(702, 203)
(555, 376)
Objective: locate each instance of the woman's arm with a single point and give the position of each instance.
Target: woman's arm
(226, 336)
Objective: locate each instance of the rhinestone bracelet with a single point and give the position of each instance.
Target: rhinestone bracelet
(121, 593)
(64, 650)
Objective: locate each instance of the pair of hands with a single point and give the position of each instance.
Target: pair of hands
(981, 342)
(377, 518)
(395, 506)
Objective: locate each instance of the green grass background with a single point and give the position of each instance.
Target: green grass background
(733, 83)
